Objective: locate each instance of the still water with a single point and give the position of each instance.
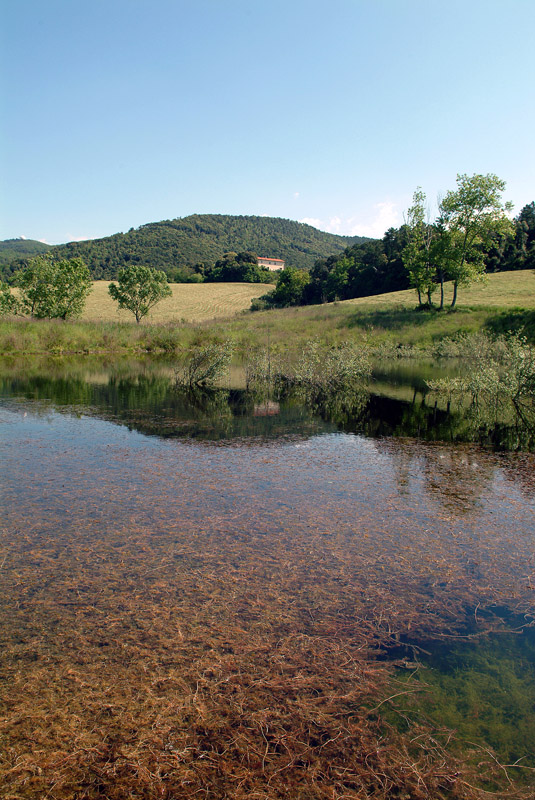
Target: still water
(159, 546)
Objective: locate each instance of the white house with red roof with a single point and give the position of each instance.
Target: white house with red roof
(271, 263)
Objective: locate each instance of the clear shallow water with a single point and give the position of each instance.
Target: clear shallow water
(129, 544)
(76, 467)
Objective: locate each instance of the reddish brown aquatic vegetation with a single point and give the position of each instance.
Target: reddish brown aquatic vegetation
(221, 645)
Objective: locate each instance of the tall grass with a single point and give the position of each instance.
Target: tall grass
(390, 323)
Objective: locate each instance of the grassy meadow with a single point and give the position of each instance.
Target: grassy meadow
(197, 312)
(506, 301)
(191, 302)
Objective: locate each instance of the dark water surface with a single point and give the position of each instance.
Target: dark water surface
(148, 532)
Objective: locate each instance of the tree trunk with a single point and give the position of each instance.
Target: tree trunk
(429, 300)
(454, 300)
(441, 307)
(419, 296)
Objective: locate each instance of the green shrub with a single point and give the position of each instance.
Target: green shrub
(205, 364)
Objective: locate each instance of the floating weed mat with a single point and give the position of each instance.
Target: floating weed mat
(185, 620)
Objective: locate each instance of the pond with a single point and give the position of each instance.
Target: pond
(227, 595)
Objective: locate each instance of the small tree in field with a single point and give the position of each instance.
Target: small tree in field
(455, 246)
(469, 217)
(416, 255)
(139, 288)
(54, 289)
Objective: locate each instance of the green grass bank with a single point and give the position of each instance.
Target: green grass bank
(389, 322)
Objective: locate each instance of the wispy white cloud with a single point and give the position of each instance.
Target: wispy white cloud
(335, 224)
(44, 241)
(314, 221)
(384, 215)
(71, 238)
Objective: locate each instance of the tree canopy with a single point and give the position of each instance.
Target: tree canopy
(53, 289)
(183, 247)
(290, 285)
(417, 254)
(470, 216)
(241, 267)
(139, 288)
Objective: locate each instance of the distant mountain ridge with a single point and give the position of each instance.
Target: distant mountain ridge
(177, 245)
(15, 249)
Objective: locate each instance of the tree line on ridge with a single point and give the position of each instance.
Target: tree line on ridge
(472, 234)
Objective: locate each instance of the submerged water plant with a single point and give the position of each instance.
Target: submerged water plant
(205, 364)
(499, 371)
(326, 369)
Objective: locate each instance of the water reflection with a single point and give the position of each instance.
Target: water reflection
(457, 476)
(154, 405)
(178, 597)
(147, 398)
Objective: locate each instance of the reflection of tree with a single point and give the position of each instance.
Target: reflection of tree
(456, 476)
(401, 460)
(149, 401)
(496, 396)
(521, 472)
(387, 416)
(153, 405)
(191, 412)
(341, 407)
(501, 428)
(142, 392)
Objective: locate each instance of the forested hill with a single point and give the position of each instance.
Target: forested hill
(178, 245)
(15, 249)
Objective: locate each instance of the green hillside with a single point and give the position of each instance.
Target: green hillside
(14, 249)
(178, 245)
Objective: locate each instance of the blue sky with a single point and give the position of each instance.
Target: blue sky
(120, 112)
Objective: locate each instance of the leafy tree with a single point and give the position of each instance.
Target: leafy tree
(242, 267)
(417, 253)
(54, 289)
(441, 254)
(186, 274)
(9, 303)
(139, 288)
(337, 280)
(469, 217)
(524, 240)
(517, 249)
(289, 289)
(525, 224)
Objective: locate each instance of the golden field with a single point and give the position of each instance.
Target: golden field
(191, 302)
(505, 302)
(504, 289)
